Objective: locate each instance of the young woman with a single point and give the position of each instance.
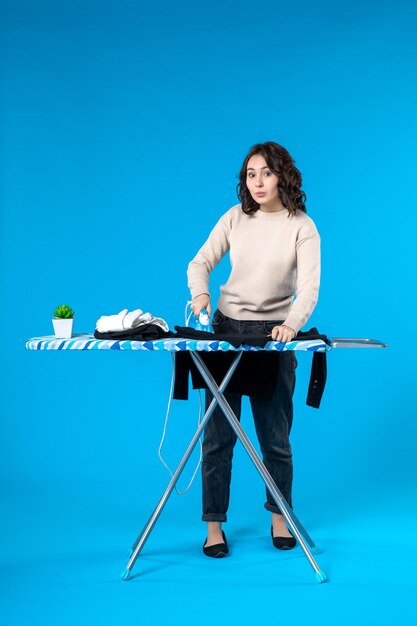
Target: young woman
(275, 255)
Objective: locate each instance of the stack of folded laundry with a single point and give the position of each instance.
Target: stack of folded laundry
(131, 325)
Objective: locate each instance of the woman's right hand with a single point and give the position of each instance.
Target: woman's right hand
(201, 302)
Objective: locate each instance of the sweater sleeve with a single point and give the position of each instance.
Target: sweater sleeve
(308, 281)
(209, 256)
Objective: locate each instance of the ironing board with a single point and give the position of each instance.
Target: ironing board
(89, 342)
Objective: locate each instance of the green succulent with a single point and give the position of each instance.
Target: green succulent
(63, 311)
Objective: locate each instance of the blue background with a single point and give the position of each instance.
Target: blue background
(124, 127)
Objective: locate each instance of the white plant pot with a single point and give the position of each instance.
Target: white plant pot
(62, 327)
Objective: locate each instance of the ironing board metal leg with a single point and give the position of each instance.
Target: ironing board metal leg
(144, 534)
(267, 478)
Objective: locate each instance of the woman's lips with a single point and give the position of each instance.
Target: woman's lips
(260, 193)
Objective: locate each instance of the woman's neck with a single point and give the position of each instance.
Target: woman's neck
(272, 207)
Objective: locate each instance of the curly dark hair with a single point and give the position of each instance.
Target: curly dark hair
(280, 162)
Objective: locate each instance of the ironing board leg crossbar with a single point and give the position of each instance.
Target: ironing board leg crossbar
(295, 525)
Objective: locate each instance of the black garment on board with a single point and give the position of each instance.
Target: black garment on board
(256, 372)
(145, 332)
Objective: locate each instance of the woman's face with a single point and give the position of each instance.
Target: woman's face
(261, 182)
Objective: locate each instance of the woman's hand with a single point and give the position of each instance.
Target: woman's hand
(282, 333)
(201, 302)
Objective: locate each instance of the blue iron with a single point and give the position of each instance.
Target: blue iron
(202, 322)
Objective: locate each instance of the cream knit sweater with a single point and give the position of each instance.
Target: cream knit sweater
(274, 257)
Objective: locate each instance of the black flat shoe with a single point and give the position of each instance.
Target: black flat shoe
(218, 550)
(283, 543)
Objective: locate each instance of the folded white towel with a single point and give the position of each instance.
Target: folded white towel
(144, 318)
(131, 319)
(148, 318)
(108, 323)
(125, 320)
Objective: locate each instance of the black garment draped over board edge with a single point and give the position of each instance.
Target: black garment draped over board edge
(255, 374)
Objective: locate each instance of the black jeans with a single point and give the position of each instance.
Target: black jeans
(273, 421)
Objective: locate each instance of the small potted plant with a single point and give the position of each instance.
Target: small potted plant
(63, 320)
